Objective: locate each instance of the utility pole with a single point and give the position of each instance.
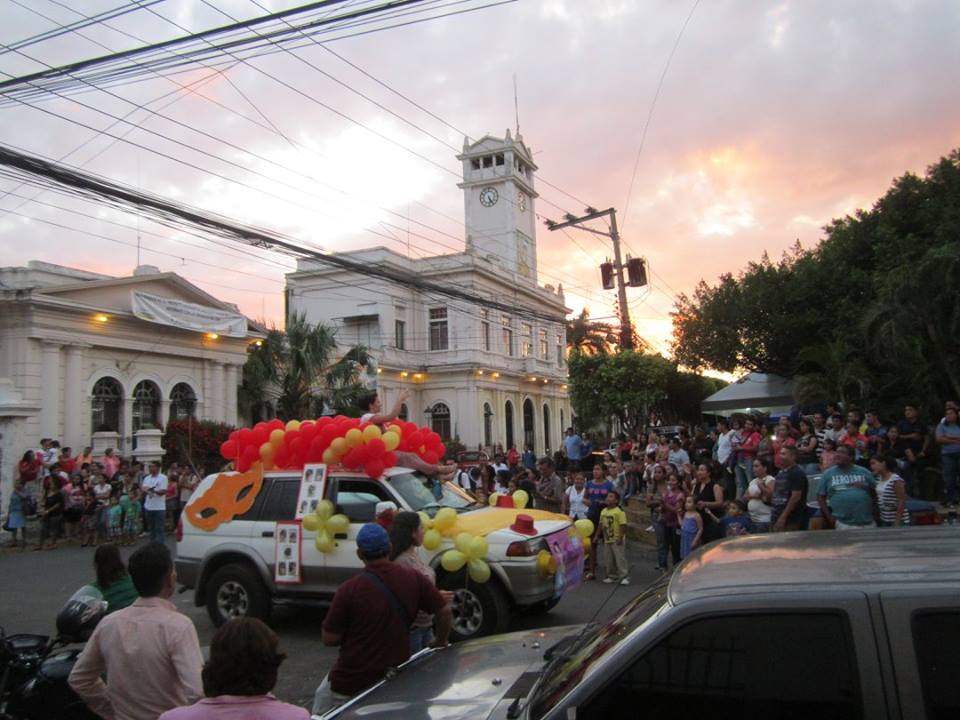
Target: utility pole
(626, 328)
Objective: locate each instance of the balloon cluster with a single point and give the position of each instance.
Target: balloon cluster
(331, 440)
(326, 525)
(583, 528)
(468, 549)
(520, 499)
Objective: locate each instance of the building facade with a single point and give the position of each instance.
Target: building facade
(491, 378)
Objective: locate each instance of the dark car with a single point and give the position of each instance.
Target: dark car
(858, 624)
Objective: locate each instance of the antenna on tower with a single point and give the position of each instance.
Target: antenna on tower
(516, 104)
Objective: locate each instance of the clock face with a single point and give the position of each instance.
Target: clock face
(489, 197)
(522, 202)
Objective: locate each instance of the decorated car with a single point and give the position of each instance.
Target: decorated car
(282, 526)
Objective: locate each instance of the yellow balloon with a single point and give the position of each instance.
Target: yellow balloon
(453, 560)
(329, 456)
(266, 453)
(353, 437)
(462, 542)
(478, 548)
(445, 519)
(338, 524)
(311, 523)
(493, 499)
(546, 564)
(276, 437)
(584, 528)
(479, 570)
(586, 545)
(325, 510)
(520, 499)
(339, 446)
(425, 520)
(324, 542)
(293, 424)
(432, 539)
(371, 432)
(391, 440)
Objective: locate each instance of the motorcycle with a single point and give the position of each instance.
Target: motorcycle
(34, 668)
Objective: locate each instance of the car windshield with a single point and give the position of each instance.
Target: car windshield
(417, 491)
(564, 671)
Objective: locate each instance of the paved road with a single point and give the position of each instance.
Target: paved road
(35, 585)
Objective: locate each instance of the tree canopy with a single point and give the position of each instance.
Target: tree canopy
(870, 315)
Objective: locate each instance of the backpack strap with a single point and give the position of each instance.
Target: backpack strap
(390, 596)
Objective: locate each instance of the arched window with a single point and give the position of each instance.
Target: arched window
(183, 402)
(146, 405)
(508, 423)
(528, 434)
(440, 420)
(105, 405)
(487, 425)
(546, 428)
(404, 412)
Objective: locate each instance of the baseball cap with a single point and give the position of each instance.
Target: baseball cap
(373, 540)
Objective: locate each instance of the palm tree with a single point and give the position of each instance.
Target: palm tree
(589, 336)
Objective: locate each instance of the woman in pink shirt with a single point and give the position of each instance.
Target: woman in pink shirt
(238, 677)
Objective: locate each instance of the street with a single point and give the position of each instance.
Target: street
(38, 583)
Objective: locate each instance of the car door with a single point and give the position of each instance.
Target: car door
(923, 631)
(357, 498)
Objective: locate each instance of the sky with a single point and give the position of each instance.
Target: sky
(771, 119)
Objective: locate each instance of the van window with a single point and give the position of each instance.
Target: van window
(936, 638)
(281, 502)
(744, 667)
(357, 499)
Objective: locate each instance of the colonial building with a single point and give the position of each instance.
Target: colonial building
(486, 376)
(91, 359)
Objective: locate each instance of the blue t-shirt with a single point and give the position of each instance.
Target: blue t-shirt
(848, 493)
(574, 445)
(951, 431)
(597, 493)
(736, 524)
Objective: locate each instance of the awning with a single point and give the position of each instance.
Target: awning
(754, 392)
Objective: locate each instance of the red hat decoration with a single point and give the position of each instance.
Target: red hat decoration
(331, 440)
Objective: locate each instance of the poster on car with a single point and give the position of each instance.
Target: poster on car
(311, 489)
(288, 559)
(568, 553)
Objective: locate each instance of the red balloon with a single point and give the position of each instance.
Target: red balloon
(298, 461)
(431, 457)
(351, 459)
(374, 468)
(409, 427)
(289, 436)
(276, 424)
(229, 449)
(389, 459)
(298, 445)
(281, 458)
(235, 435)
(432, 437)
(242, 465)
(375, 447)
(261, 435)
(327, 434)
(245, 436)
(415, 439)
(324, 421)
(308, 430)
(250, 454)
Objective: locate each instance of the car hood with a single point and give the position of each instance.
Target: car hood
(475, 679)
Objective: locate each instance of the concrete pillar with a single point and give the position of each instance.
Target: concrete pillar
(217, 370)
(73, 392)
(126, 425)
(205, 409)
(230, 416)
(50, 391)
(164, 410)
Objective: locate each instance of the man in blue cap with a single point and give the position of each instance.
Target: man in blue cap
(370, 618)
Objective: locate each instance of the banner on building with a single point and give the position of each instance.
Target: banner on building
(187, 316)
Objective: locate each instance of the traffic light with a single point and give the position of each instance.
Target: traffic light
(636, 272)
(606, 275)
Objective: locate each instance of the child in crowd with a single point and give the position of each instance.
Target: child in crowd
(828, 458)
(691, 529)
(16, 516)
(131, 521)
(88, 521)
(115, 519)
(737, 521)
(613, 523)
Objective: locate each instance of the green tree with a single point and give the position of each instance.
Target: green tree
(589, 336)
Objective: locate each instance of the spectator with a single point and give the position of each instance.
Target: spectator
(702, 446)
(155, 502)
(370, 617)
(708, 495)
(876, 435)
(913, 433)
(948, 437)
(808, 449)
(828, 456)
(528, 480)
(652, 442)
(746, 447)
(114, 515)
(113, 580)
(780, 441)
(85, 458)
(16, 517)
(110, 462)
(88, 521)
(677, 455)
(759, 496)
(238, 677)
(172, 499)
(724, 446)
(573, 445)
(73, 500)
(132, 516)
(847, 494)
(789, 495)
(891, 492)
(586, 450)
(691, 529)
(552, 487)
(575, 500)
(736, 521)
(597, 490)
(148, 651)
(529, 458)
(487, 479)
(820, 430)
(30, 469)
(406, 537)
(500, 465)
(101, 494)
(836, 428)
(66, 461)
(654, 500)
(613, 523)
(672, 511)
(513, 458)
(854, 439)
(51, 515)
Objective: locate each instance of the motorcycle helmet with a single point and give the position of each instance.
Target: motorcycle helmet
(80, 615)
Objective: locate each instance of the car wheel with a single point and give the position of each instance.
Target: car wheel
(478, 608)
(540, 608)
(236, 591)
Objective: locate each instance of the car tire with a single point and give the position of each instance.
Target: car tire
(478, 608)
(540, 608)
(236, 591)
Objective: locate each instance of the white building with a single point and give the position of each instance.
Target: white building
(487, 376)
(81, 363)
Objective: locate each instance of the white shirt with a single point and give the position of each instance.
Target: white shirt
(758, 509)
(156, 482)
(724, 447)
(501, 466)
(577, 507)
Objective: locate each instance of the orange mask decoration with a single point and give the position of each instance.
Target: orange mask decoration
(229, 496)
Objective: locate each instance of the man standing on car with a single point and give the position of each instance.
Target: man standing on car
(370, 617)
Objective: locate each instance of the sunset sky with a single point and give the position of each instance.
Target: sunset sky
(772, 119)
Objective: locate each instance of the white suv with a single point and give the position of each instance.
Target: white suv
(232, 568)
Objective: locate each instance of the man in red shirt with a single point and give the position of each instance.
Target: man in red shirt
(746, 452)
(370, 618)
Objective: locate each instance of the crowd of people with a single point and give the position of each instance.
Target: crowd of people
(94, 500)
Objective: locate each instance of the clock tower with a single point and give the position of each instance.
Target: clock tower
(498, 200)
